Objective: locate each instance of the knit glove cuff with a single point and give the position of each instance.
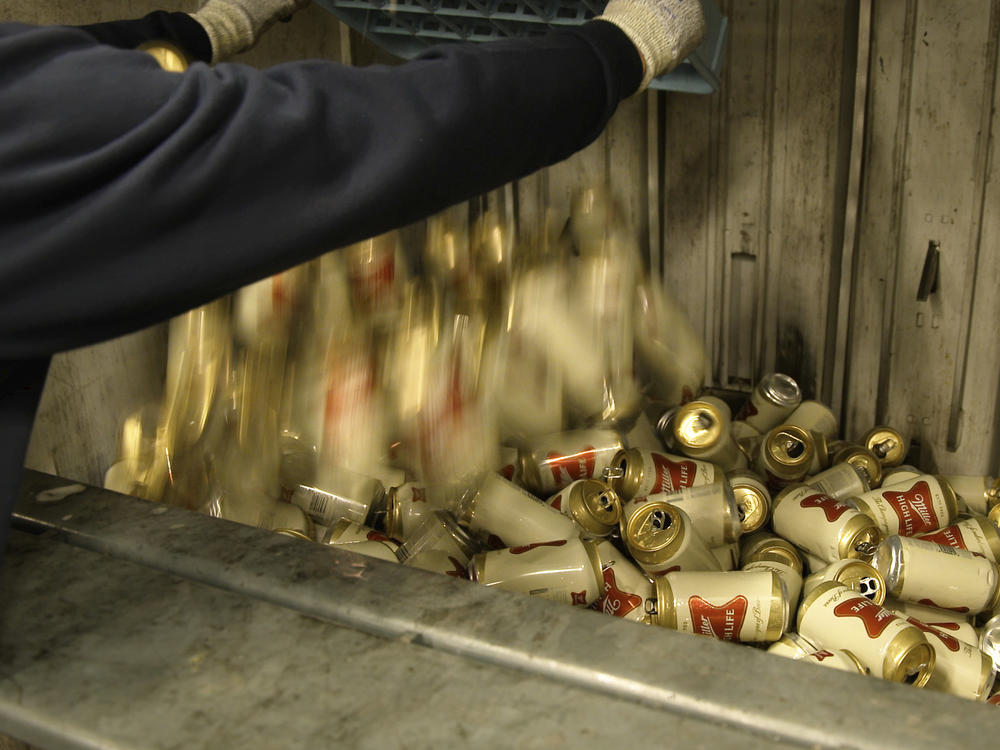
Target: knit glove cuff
(663, 31)
(235, 25)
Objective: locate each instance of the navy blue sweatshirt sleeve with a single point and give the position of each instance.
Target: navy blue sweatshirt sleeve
(178, 28)
(131, 194)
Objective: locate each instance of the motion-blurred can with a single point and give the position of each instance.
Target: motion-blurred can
(890, 647)
(503, 509)
(746, 607)
(562, 570)
(551, 462)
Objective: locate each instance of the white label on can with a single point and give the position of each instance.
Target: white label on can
(673, 473)
(725, 606)
(560, 570)
(504, 509)
(813, 521)
(967, 535)
(944, 577)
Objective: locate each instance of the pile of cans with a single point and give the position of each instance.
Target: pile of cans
(531, 415)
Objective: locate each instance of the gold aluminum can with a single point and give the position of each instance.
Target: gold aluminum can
(660, 537)
(785, 455)
(860, 457)
(635, 472)
(742, 606)
(763, 545)
(890, 647)
(994, 514)
(857, 575)
(592, 504)
(170, 57)
(753, 500)
(888, 445)
(701, 430)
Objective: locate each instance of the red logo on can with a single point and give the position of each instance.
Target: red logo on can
(722, 622)
(557, 502)
(575, 466)
(419, 495)
(377, 536)
(914, 509)
(579, 598)
(949, 536)
(615, 601)
(507, 472)
(528, 547)
(832, 509)
(949, 643)
(875, 618)
(821, 655)
(932, 603)
(672, 476)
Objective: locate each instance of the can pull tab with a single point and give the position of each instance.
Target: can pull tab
(612, 472)
(929, 276)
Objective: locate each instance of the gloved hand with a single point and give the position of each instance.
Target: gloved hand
(236, 25)
(664, 31)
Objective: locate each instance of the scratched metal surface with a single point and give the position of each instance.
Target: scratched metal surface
(706, 681)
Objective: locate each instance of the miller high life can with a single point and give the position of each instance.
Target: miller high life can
(701, 430)
(893, 649)
(593, 505)
(937, 576)
(840, 482)
(562, 570)
(712, 510)
(858, 456)
(745, 607)
(836, 658)
(887, 444)
(409, 505)
(814, 416)
(979, 536)
(792, 646)
(767, 552)
(901, 473)
(857, 575)
(959, 668)
(775, 397)
(910, 508)
(515, 516)
(784, 456)
(626, 588)
(976, 491)
(361, 539)
(551, 462)
(661, 538)
(753, 500)
(822, 526)
(636, 472)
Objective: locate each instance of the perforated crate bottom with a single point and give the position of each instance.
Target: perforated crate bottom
(406, 28)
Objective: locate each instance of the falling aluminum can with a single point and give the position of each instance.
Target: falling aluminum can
(925, 504)
(626, 588)
(439, 545)
(551, 462)
(827, 528)
(857, 575)
(937, 576)
(745, 607)
(886, 644)
(661, 539)
(561, 570)
(636, 472)
(775, 397)
(409, 505)
(591, 504)
(701, 430)
(345, 494)
(502, 509)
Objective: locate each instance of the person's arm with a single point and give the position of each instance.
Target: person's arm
(132, 194)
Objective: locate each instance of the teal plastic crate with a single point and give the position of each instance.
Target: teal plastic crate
(406, 28)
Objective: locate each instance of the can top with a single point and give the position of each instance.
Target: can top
(789, 446)
(665, 425)
(393, 516)
(780, 390)
(909, 658)
(753, 501)
(887, 444)
(860, 538)
(994, 514)
(863, 459)
(662, 611)
(653, 531)
(595, 506)
(859, 576)
(888, 561)
(699, 424)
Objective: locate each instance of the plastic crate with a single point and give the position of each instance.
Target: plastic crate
(406, 28)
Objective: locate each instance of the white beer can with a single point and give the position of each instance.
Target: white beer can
(857, 575)
(551, 462)
(822, 526)
(661, 539)
(979, 536)
(959, 668)
(591, 504)
(840, 481)
(636, 472)
(626, 588)
(775, 397)
(517, 517)
(910, 508)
